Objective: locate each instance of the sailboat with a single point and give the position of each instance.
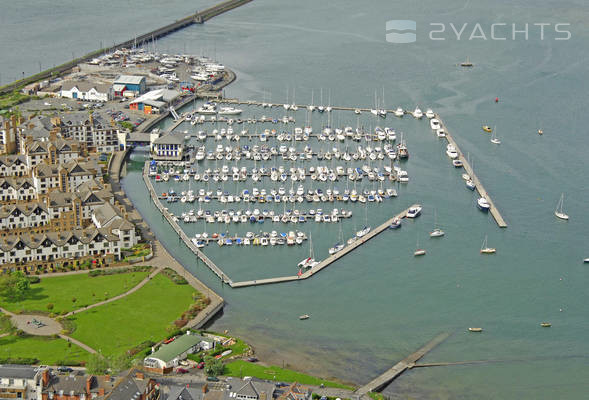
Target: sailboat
(558, 212)
(466, 63)
(437, 232)
(418, 252)
(340, 244)
(310, 261)
(494, 139)
(486, 249)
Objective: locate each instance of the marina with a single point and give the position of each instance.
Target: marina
(194, 243)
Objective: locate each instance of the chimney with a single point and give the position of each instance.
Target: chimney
(205, 388)
(52, 135)
(89, 384)
(107, 378)
(45, 377)
(101, 391)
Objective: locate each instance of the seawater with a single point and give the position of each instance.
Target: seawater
(379, 303)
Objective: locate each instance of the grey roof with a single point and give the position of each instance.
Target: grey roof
(169, 139)
(85, 86)
(170, 95)
(17, 371)
(33, 241)
(251, 388)
(10, 159)
(129, 79)
(106, 213)
(127, 389)
(184, 393)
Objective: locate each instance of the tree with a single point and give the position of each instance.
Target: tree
(120, 363)
(14, 286)
(213, 366)
(97, 364)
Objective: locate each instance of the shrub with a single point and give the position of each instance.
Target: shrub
(50, 306)
(34, 279)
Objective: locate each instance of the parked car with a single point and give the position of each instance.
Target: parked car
(200, 365)
(252, 359)
(181, 371)
(212, 379)
(65, 369)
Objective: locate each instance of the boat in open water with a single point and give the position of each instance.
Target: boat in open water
(558, 212)
(485, 249)
(475, 329)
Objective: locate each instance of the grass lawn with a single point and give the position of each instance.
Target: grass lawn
(47, 350)
(5, 325)
(242, 368)
(144, 315)
(60, 290)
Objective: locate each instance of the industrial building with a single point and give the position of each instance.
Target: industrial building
(129, 86)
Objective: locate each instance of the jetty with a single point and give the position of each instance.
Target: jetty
(207, 261)
(408, 362)
(329, 260)
(478, 185)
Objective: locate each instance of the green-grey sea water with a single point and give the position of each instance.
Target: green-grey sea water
(379, 303)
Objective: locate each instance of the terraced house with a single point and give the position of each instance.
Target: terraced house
(63, 177)
(96, 131)
(13, 165)
(53, 151)
(14, 190)
(36, 252)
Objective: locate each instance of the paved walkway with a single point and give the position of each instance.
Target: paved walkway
(120, 296)
(77, 342)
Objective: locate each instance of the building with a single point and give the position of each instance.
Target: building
(8, 135)
(169, 355)
(17, 189)
(64, 177)
(296, 392)
(184, 393)
(135, 386)
(76, 387)
(167, 147)
(48, 251)
(54, 150)
(153, 102)
(249, 389)
(86, 91)
(113, 220)
(13, 165)
(98, 132)
(129, 86)
(21, 382)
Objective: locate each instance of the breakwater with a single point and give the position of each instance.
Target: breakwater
(198, 17)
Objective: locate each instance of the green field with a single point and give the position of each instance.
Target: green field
(61, 290)
(144, 315)
(242, 368)
(46, 350)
